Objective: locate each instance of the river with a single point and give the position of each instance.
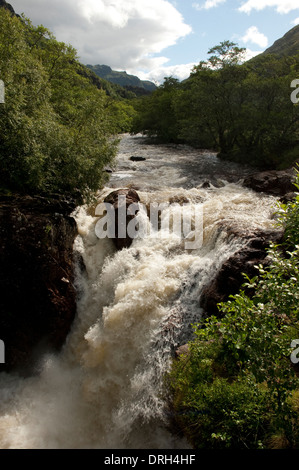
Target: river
(135, 306)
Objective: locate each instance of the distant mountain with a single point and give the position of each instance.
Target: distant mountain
(111, 89)
(287, 45)
(123, 79)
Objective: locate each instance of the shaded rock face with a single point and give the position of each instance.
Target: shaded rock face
(276, 183)
(121, 199)
(229, 279)
(37, 295)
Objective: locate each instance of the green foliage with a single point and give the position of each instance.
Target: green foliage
(237, 387)
(288, 218)
(55, 132)
(221, 413)
(225, 54)
(156, 116)
(121, 114)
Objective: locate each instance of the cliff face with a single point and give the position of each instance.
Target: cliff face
(37, 295)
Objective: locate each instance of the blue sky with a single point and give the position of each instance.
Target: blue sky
(158, 38)
(212, 25)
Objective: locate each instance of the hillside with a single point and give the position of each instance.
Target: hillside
(123, 79)
(7, 6)
(287, 45)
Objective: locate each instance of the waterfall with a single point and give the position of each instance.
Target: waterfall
(135, 306)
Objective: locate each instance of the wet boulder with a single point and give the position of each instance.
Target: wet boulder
(229, 278)
(276, 183)
(121, 200)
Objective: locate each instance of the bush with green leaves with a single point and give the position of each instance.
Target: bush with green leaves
(237, 386)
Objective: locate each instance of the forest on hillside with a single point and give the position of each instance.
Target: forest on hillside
(241, 110)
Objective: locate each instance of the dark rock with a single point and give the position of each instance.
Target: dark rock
(130, 197)
(137, 159)
(276, 183)
(37, 295)
(229, 278)
(205, 185)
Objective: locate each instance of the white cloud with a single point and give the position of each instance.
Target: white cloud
(282, 6)
(254, 36)
(249, 54)
(181, 72)
(125, 34)
(207, 5)
(296, 21)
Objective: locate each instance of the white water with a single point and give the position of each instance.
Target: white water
(134, 308)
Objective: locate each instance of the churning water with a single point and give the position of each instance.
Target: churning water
(135, 307)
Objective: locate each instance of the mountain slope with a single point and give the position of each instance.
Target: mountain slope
(111, 89)
(287, 45)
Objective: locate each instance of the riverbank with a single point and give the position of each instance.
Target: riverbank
(37, 294)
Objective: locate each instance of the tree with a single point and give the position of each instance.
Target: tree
(225, 54)
(156, 114)
(241, 110)
(215, 90)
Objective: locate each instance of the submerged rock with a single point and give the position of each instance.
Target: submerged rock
(37, 295)
(137, 159)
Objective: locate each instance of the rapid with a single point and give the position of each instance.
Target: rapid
(104, 390)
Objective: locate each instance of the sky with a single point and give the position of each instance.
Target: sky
(154, 39)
